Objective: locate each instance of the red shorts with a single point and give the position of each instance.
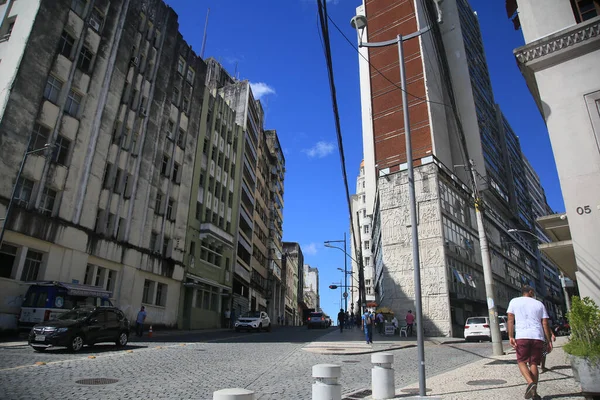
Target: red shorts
(530, 351)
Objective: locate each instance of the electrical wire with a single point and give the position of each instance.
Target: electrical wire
(381, 73)
(324, 33)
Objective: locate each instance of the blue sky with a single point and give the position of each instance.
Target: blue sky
(275, 44)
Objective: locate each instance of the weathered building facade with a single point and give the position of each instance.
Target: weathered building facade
(118, 93)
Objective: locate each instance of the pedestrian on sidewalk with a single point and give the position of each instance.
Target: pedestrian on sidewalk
(395, 324)
(341, 319)
(367, 323)
(139, 321)
(531, 319)
(410, 320)
(380, 322)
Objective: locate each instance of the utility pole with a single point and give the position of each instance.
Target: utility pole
(345, 276)
(488, 278)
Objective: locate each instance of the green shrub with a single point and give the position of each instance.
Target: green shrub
(584, 319)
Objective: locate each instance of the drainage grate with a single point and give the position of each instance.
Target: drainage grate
(486, 382)
(502, 362)
(351, 361)
(97, 381)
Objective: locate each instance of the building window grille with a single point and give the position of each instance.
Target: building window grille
(61, 150)
(47, 202)
(85, 59)
(65, 45)
(72, 103)
(161, 294)
(78, 6)
(52, 89)
(23, 191)
(40, 137)
(31, 269)
(147, 293)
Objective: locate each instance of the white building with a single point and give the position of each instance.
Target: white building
(560, 62)
(311, 286)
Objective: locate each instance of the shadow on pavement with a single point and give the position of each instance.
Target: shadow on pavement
(95, 349)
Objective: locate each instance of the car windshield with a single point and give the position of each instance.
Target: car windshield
(75, 314)
(251, 314)
(316, 315)
(478, 320)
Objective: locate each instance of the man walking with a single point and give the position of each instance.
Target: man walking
(380, 322)
(410, 320)
(367, 323)
(341, 319)
(532, 326)
(139, 322)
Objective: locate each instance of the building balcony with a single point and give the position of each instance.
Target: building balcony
(208, 230)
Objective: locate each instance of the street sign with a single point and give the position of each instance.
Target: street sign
(345, 295)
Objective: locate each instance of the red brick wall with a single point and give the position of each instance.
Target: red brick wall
(387, 19)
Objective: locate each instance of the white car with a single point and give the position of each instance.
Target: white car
(478, 328)
(253, 320)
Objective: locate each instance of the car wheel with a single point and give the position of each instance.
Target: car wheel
(40, 349)
(259, 327)
(76, 343)
(269, 328)
(122, 339)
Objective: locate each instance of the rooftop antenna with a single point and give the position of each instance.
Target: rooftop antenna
(204, 36)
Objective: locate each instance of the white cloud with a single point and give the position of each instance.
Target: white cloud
(260, 89)
(320, 149)
(310, 249)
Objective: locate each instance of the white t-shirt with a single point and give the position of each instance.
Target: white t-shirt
(529, 313)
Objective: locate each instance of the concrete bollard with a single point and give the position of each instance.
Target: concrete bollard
(233, 394)
(326, 386)
(382, 376)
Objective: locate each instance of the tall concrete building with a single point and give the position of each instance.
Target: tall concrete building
(116, 90)
(293, 252)
(311, 287)
(447, 77)
(362, 227)
(214, 208)
(560, 64)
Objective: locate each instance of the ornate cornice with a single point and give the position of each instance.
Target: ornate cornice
(553, 43)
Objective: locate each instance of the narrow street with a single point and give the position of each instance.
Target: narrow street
(193, 366)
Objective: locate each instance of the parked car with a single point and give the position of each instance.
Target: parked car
(477, 328)
(317, 320)
(81, 326)
(503, 322)
(253, 320)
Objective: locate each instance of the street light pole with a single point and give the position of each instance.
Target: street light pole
(345, 283)
(14, 189)
(359, 22)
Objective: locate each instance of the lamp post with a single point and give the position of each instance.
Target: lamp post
(346, 273)
(349, 273)
(14, 190)
(328, 244)
(541, 268)
(359, 23)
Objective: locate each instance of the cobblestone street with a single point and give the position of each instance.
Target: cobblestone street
(272, 364)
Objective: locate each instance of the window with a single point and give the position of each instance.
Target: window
(367, 245)
(175, 96)
(23, 191)
(366, 228)
(31, 269)
(186, 103)
(117, 184)
(78, 6)
(364, 213)
(165, 165)
(147, 293)
(40, 137)
(153, 241)
(367, 261)
(170, 129)
(175, 172)
(190, 75)
(8, 254)
(157, 203)
(192, 248)
(170, 205)
(72, 103)
(586, 9)
(65, 45)
(161, 294)
(180, 66)
(96, 20)
(47, 202)
(181, 139)
(85, 59)
(61, 150)
(52, 89)
(198, 210)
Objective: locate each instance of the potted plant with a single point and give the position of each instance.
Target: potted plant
(584, 344)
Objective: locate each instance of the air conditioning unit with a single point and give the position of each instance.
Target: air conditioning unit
(94, 24)
(134, 61)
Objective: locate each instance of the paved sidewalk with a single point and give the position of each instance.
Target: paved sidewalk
(498, 378)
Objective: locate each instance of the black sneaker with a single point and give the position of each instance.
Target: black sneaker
(530, 391)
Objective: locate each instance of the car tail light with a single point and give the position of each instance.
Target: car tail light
(322, 319)
(486, 326)
(466, 326)
(47, 315)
